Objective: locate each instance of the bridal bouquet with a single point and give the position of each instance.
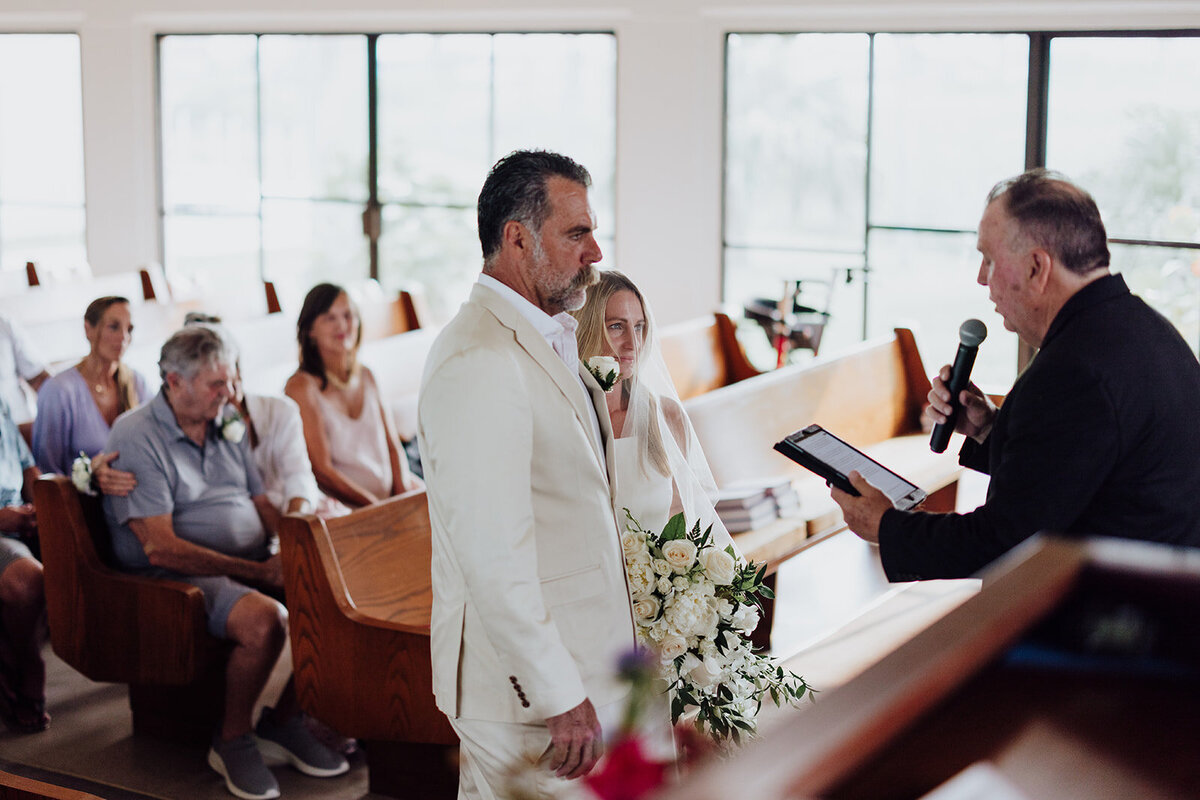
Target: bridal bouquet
(696, 605)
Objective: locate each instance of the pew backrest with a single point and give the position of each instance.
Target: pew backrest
(359, 598)
(871, 397)
(397, 363)
(383, 553)
(704, 354)
(110, 625)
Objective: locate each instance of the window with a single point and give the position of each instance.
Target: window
(280, 151)
(859, 163)
(41, 152)
(1122, 123)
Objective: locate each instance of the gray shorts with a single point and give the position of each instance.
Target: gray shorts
(221, 594)
(12, 549)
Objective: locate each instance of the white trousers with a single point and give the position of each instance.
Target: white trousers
(502, 760)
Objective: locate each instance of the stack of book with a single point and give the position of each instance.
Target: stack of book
(746, 507)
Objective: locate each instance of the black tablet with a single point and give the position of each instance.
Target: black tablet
(817, 449)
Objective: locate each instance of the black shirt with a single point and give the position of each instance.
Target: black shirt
(1100, 436)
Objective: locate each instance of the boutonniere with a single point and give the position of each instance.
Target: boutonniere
(606, 370)
(81, 474)
(233, 428)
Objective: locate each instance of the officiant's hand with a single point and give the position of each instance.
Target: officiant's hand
(862, 513)
(576, 741)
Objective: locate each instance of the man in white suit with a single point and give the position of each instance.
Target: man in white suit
(530, 605)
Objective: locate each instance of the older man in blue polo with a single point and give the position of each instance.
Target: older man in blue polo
(199, 514)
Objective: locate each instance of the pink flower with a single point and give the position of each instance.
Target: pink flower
(626, 773)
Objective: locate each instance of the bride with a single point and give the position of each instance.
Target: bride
(660, 466)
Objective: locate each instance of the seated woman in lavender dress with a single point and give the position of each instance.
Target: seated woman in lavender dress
(76, 407)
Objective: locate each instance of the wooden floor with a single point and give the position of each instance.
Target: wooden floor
(836, 615)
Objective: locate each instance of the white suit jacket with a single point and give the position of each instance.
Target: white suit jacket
(531, 608)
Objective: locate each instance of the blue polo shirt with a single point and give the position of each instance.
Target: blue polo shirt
(206, 489)
(15, 458)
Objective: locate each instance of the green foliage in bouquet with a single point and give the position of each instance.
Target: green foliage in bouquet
(696, 605)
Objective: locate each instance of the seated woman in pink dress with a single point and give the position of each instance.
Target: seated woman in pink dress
(352, 442)
(77, 407)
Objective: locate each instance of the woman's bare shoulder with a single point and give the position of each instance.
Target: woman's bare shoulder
(302, 386)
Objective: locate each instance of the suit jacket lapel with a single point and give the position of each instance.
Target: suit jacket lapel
(533, 343)
(601, 405)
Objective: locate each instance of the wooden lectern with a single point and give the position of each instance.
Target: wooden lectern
(359, 596)
(1075, 673)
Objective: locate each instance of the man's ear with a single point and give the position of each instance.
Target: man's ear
(1040, 265)
(515, 235)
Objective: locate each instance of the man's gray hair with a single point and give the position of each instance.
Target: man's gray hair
(516, 189)
(1053, 213)
(194, 347)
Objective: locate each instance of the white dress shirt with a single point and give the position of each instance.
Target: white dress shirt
(559, 332)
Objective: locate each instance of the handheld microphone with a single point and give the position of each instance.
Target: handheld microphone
(970, 334)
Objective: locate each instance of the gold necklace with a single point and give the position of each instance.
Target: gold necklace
(97, 386)
(338, 383)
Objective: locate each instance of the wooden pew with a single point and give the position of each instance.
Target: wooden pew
(1010, 679)
(382, 313)
(16, 787)
(704, 354)
(872, 397)
(398, 363)
(111, 626)
(359, 595)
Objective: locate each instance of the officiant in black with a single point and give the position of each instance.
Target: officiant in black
(1099, 436)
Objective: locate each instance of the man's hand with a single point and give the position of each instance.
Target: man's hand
(863, 513)
(273, 572)
(111, 480)
(576, 741)
(18, 519)
(978, 412)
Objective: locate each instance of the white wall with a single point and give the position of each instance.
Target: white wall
(669, 96)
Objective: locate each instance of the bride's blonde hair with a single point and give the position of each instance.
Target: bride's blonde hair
(591, 338)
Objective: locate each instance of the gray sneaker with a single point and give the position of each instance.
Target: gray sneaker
(291, 742)
(240, 764)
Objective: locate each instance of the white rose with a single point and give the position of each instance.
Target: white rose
(604, 364)
(641, 579)
(671, 648)
(718, 565)
(661, 567)
(689, 663)
(81, 474)
(680, 554)
(633, 543)
(687, 613)
(663, 586)
(606, 370)
(707, 672)
(233, 429)
(745, 618)
(680, 583)
(646, 609)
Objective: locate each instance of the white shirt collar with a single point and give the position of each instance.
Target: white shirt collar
(558, 330)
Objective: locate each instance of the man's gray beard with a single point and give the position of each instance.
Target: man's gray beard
(570, 297)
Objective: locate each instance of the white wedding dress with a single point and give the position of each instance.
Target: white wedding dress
(648, 497)
(647, 494)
